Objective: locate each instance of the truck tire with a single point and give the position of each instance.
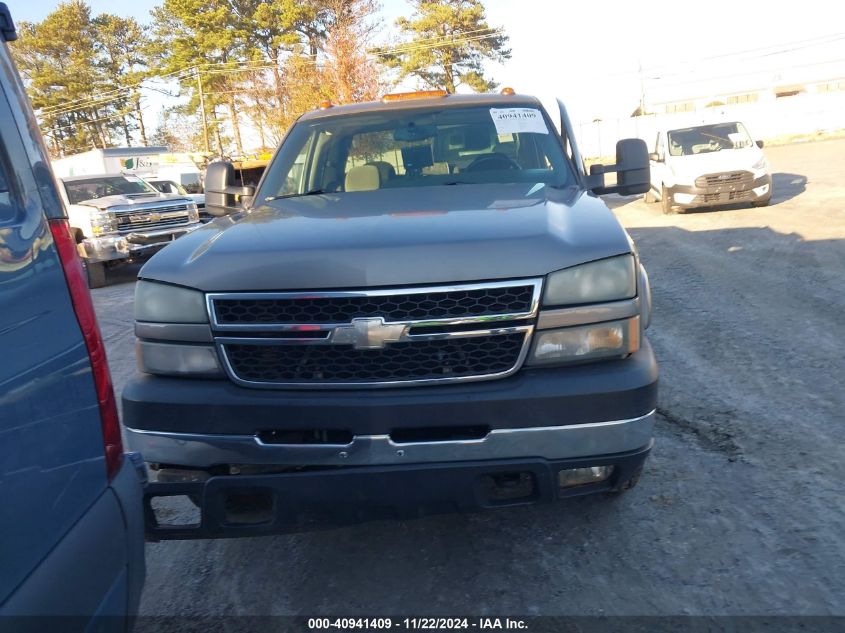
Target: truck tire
(666, 202)
(95, 272)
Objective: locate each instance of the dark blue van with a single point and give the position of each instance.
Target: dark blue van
(71, 521)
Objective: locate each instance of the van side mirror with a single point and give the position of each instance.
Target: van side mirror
(632, 170)
(7, 26)
(759, 144)
(221, 189)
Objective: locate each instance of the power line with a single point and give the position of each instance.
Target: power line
(83, 103)
(139, 84)
(417, 46)
(50, 131)
(764, 51)
(442, 39)
(757, 72)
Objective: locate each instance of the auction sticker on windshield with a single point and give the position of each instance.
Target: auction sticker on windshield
(515, 120)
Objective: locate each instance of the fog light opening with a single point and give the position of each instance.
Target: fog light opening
(175, 511)
(573, 477)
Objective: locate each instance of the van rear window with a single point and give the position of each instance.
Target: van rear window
(7, 211)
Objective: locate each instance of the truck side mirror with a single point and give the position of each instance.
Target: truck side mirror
(221, 189)
(759, 144)
(632, 169)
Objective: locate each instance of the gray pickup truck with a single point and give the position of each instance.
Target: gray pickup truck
(422, 308)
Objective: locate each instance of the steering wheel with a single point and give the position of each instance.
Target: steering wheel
(487, 162)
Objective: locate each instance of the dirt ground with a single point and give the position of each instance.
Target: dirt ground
(740, 511)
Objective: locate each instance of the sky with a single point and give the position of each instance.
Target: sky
(589, 53)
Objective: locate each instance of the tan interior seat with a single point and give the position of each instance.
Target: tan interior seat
(436, 169)
(385, 170)
(363, 178)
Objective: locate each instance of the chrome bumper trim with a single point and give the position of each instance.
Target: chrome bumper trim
(550, 442)
(123, 245)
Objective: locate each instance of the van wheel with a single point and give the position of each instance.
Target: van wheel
(96, 273)
(762, 203)
(666, 202)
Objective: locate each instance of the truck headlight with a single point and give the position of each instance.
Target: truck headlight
(103, 222)
(585, 342)
(760, 165)
(177, 360)
(609, 279)
(162, 303)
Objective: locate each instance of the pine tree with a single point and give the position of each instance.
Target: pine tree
(59, 61)
(446, 43)
(123, 44)
(195, 40)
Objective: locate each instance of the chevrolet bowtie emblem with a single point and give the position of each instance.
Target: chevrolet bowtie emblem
(368, 333)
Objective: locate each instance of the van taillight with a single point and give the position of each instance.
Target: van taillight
(84, 309)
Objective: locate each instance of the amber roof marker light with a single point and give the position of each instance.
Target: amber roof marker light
(325, 105)
(508, 91)
(418, 94)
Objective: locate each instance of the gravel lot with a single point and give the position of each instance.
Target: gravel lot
(741, 509)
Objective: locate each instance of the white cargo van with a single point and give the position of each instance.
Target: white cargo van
(708, 165)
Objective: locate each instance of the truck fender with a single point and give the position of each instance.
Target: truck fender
(79, 217)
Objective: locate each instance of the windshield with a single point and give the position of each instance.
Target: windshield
(417, 148)
(102, 186)
(168, 186)
(708, 138)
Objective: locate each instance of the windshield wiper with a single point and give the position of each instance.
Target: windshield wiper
(313, 192)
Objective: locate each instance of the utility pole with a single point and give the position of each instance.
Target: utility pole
(642, 88)
(202, 109)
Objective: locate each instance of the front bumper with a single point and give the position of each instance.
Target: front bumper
(548, 442)
(125, 246)
(199, 423)
(300, 501)
(534, 424)
(690, 197)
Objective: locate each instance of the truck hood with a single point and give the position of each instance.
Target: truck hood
(687, 168)
(108, 202)
(394, 237)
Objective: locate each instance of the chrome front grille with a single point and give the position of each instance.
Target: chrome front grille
(439, 304)
(375, 338)
(144, 218)
(731, 180)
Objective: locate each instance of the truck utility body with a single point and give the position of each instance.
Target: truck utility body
(422, 308)
(150, 163)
